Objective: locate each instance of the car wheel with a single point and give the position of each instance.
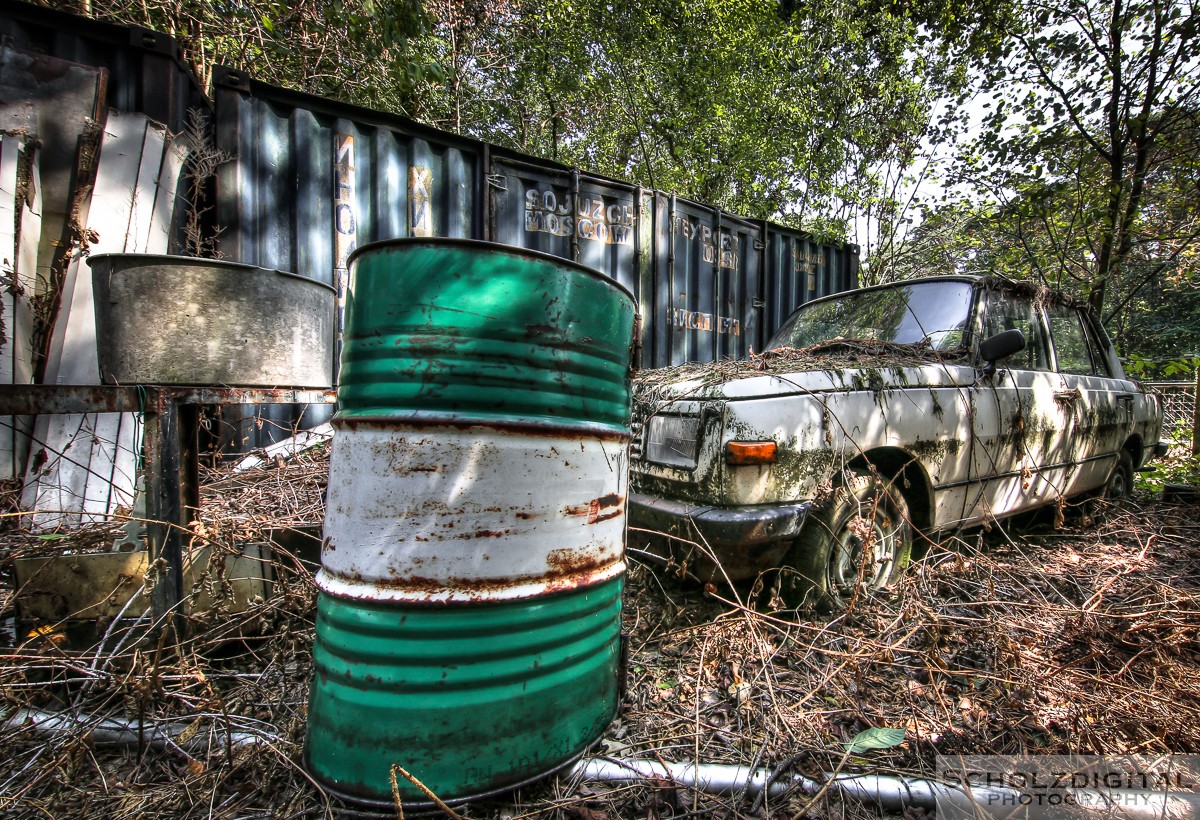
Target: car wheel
(857, 542)
(1119, 486)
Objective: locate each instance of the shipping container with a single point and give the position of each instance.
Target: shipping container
(707, 278)
(798, 270)
(146, 73)
(311, 180)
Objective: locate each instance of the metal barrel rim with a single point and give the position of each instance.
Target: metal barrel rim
(491, 247)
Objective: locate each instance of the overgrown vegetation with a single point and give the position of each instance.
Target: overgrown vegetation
(1034, 640)
(1047, 141)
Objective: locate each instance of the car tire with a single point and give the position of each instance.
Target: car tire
(826, 568)
(1119, 486)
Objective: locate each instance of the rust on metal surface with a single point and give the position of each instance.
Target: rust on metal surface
(599, 509)
(570, 571)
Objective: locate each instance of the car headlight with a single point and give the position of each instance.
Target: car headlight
(673, 441)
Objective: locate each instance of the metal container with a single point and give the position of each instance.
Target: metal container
(313, 179)
(144, 69)
(181, 320)
(708, 283)
(468, 622)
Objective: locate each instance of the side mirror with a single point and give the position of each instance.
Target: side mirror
(1001, 346)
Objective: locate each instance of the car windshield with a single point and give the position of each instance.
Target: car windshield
(933, 312)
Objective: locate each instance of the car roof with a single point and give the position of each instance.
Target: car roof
(987, 281)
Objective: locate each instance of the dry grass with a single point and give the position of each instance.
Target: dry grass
(1083, 639)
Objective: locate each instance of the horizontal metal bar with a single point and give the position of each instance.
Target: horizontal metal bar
(34, 399)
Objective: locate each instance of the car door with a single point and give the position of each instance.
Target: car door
(1099, 406)
(1018, 423)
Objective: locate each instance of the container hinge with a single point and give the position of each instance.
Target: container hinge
(231, 78)
(758, 304)
(498, 181)
(759, 244)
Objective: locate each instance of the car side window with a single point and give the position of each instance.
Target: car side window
(1007, 311)
(1070, 344)
(1097, 347)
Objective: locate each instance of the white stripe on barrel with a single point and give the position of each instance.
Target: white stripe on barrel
(439, 514)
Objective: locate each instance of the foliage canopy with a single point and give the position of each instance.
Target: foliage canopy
(1072, 126)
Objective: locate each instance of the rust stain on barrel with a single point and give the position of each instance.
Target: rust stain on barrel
(598, 509)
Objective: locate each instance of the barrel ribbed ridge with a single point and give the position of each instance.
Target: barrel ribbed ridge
(468, 699)
(436, 325)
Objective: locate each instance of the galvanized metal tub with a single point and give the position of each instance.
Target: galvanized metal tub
(181, 320)
(468, 624)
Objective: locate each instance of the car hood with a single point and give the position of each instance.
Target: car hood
(836, 366)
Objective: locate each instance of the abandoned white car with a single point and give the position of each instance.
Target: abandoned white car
(874, 418)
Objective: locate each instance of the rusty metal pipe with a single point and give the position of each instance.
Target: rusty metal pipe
(112, 731)
(888, 792)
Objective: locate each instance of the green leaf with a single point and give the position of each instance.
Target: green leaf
(52, 536)
(881, 738)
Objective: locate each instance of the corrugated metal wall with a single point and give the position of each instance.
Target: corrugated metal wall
(567, 213)
(313, 179)
(707, 281)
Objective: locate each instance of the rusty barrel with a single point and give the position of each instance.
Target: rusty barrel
(468, 620)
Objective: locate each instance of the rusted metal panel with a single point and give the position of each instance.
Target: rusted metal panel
(437, 514)
(145, 68)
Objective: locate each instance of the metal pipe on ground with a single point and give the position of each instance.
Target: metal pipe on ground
(889, 792)
(111, 731)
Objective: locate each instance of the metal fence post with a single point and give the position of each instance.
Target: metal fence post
(1196, 415)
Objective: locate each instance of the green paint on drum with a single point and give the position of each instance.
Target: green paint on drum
(469, 330)
(489, 692)
(468, 699)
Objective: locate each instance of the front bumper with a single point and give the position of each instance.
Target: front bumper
(743, 540)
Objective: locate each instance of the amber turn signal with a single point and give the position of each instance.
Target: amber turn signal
(750, 452)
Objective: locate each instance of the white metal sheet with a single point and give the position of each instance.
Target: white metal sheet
(83, 467)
